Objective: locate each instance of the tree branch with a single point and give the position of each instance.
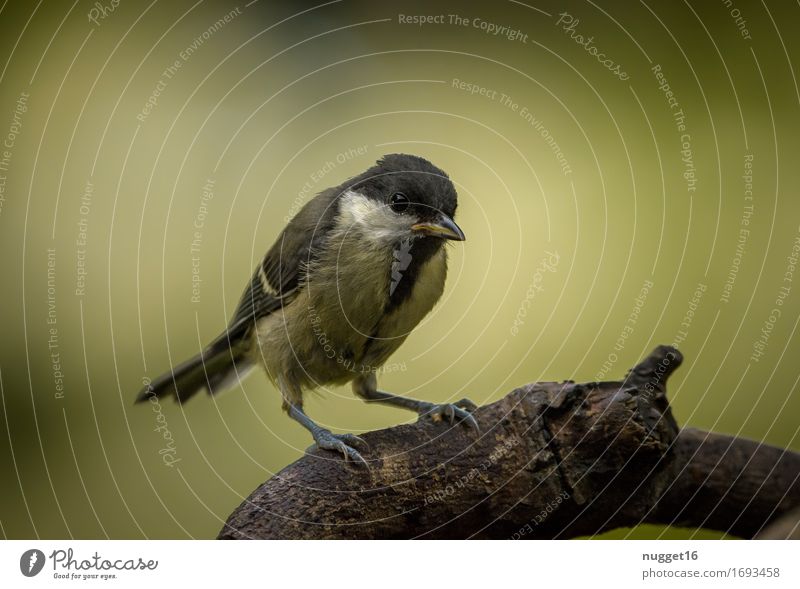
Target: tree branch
(552, 460)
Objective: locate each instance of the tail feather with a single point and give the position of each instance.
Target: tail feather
(220, 366)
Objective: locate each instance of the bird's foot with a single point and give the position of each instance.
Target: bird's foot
(460, 410)
(346, 444)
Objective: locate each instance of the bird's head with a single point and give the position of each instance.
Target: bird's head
(400, 197)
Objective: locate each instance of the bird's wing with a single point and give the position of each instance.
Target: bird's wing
(280, 274)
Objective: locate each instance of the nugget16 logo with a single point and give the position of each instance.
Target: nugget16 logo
(31, 562)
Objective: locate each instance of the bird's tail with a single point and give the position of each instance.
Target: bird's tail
(219, 367)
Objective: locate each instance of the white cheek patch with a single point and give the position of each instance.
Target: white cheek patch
(373, 218)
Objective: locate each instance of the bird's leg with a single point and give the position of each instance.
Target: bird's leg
(325, 439)
(366, 387)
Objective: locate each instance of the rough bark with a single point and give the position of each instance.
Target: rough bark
(552, 460)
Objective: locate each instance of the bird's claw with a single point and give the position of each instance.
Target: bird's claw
(460, 410)
(344, 444)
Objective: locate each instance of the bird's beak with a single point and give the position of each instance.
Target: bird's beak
(443, 227)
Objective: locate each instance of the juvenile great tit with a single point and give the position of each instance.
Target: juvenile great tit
(340, 290)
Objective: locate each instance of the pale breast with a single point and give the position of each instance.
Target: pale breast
(337, 328)
(395, 327)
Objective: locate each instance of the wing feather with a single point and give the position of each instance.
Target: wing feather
(282, 272)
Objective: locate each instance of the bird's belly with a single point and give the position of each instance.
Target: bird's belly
(325, 337)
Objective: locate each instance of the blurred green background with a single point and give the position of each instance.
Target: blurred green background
(253, 108)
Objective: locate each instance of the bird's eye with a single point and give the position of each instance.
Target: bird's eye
(399, 202)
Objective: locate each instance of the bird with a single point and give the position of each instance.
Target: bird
(345, 283)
